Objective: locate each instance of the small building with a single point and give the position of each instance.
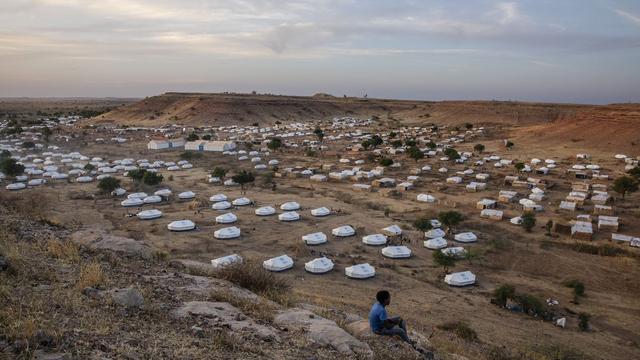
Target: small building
(506, 196)
(486, 204)
(491, 214)
(165, 144)
(568, 205)
(582, 230)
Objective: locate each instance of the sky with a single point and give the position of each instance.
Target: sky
(579, 51)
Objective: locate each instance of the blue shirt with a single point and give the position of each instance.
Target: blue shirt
(377, 316)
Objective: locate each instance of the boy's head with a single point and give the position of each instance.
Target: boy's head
(383, 297)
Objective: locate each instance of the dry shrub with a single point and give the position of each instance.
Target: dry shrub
(254, 277)
(66, 251)
(91, 275)
(223, 340)
(460, 329)
(299, 249)
(196, 204)
(31, 205)
(255, 309)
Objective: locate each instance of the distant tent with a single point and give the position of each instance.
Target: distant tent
(360, 271)
(265, 211)
(181, 225)
(435, 244)
(186, 195)
(290, 206)
(396, 252)
(321, 211)
(218, 198)
(289, 216)
(241, 201)
(222, 205)
(149, 214)
(227, 233)
(343, 231)
(435, 233)
(279, 263)
(315, 238)
(464, 278)
(227, 218)
(465, 237)
(319, 265)
(374, 239)
(226, 261)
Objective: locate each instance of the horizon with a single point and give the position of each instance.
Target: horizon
(573, 52)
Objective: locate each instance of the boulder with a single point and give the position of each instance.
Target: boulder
(322, 331)
(127, 297)
(225, 315)
(192, 266)
(97, 239)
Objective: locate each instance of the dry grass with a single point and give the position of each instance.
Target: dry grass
(460, 329)
(91, 275)
(66, 251)
(254, 277)
(255, 309)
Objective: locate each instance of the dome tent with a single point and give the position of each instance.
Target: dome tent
(360, 271)
(374, 239)
(241, 201)
(149, 214)
(280, 263)
(138, 195)
(218, 197)
(152, 199)
(132, 202)
(186, 195)
(396, 252)
(181, 225)
(227, 218)
(321, 211)
(222, 205)
(463, 278)
(290, 206)
(393, 230)
(16, 186)
(226, 261)
(465, 237)
(316, 238)
(458, 252)
(289, 216)
(435, 233)
(227, 233)
(343, 231)
(436, 243)
(319, 265)
(265, 211)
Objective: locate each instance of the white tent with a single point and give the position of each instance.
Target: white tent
(516, 220)
(435, 244)
(289, 216)
(315, 238)
(16, 186)
(457, 252)
(132, 202)
(465, 237)
(226, 261)
(227, 233)
(343, 231)
(118, 192)
(393, 230)
(265, 211)
(241, 201)
(319, 265)
(360, 271)
(187, 195)
(36, 182)
(374, 239)
(138, 195)
(181, 225)
(396, 252)
(321, 211)
(152, 199)
(149, 214)
(280, 263)
(434, 233)
(426, 198)
(463, 278)
(84, 179)
(163, 193)
(290, 206)
(218, 197)
(227, 218)
(222, 205)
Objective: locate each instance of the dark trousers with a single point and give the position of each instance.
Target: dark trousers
(400, 330)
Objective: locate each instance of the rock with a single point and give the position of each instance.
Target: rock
(204, 286)
(4, 264)
(323, 331)
(127, 297)
(360, 329)
(222, 314)
(192, 266)
(41, 355)
(43, 339)
(91, 292)
(97, 239)
(197, 331)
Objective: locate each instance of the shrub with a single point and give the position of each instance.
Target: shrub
(275, 144)
(89, 167)
(450, 219)
(28, 144)
(422, 224)
(136, 175)
(444, 260)
(152, 178)
(310, 153)
(451, 153)
(415, 153)
(386, 162)
(509, 144)
(192, 137)
(219, 172)
(91, 275)
(254, 277)
(460, 329)
(10, 167)
(583, 321)
(244, 177)
(396, 143)
(504, 293)
(578, 289)
(479, 148)
(625, 185)
(531, 304)
(206, 137)
(108, 184)
(528, 220)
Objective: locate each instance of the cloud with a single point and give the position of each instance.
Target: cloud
(635, 19)
(507, 13)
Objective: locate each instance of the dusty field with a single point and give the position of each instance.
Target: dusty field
(506, 254)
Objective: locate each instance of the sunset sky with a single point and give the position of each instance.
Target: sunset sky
(585, 51)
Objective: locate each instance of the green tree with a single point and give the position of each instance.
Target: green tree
(528, 220)
(386, 162)
(152, 178)
(5, 154)
(46, 133)
(108, 184)
(396, 143)
(410, 142)
(625, 185)
(319, 133)
(365, 144)
(275, 144)
(28, 144)
(635, 172)
(444, 260)
(422, 224)
(415, 153)
(583, 321)
(450, 219)
(451, 153)
(136, 175)
(469, 126)
(219, 172)
(392, 135)
(479, 148)
(192, 137)
(243, 177)
(548, 226)
(431, 145)
(504, 293)
(206, 137)
(89, 167)
(509, 145)
(376, 141)
(519, 166)
(10, 167)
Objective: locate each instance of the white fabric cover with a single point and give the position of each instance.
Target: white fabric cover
(374, 239)
(279, 263)
(227, 218)
(227, 233)
(321, 211)
(435, 244)
(290, 206)
(319, 265)
(181, 225)
(360, 271)
(149, 214)
(465, 237)
(226, 261)
(396, 252)
(343, 231)
(289, 216)
(315, 238)
(265, 211)
(463, 278)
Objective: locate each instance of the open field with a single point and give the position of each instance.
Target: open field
(534, 262)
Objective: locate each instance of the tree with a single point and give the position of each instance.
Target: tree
(415, 153)
(503, 293)
(392, 135)
(410, 143)
(108, 184)
(469, 126)
(89, 167)
(376, 141)
(444, 260)
(450, 219)
(242, 178)
(519, 166)
(46, 133)
(28, 144)
(396, 143)
(528, 220)
(5, 154)
(422, 224)
(10, 167)
(635, 172)
(206, 137)
(583, 323)
(219, 172)
(319, 133)
(365, 144)
(479, 148)
(549, 226)
(451, 153)
(136, 175)
(625, 185)
(152, 178)
(192, 137)
(431, 145)
(509, 145)
(274, 144)
(386, 162)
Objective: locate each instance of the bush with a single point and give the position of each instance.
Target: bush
(136, 175)
(451, 153)
(219, 172)
(386, 162)
(192, 137)
(625, 185)
(206, 137)
(479, 148)
(444, 260)
(460, 329)
(396, 143)
(10, 167)
(190, 155)
(578, 289)
(504, 293)
(108, 184)
(422, 224)
(583, 321)
(528, 220)
(254, 277)
(89, 167)
(28, 144)
(531, 304)
(450, 218)
(152, 178)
